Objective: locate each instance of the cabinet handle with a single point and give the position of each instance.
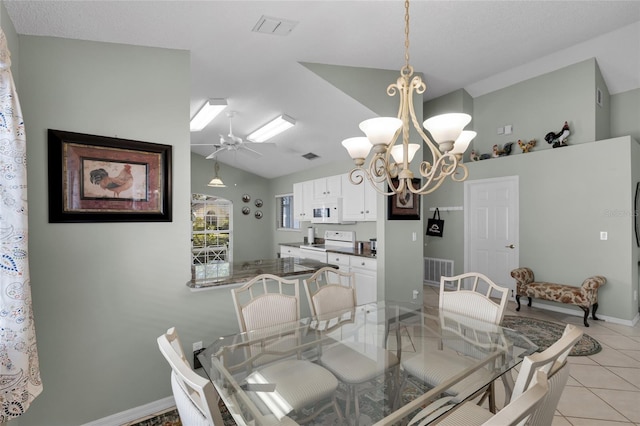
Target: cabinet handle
(367, 211)
(362, 263)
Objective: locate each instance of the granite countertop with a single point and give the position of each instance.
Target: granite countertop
(241, 272)
(352, 251)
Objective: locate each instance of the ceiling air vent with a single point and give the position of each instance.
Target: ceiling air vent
(310, 156)
(275, 26)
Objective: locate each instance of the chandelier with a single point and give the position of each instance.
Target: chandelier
(216, 182)
(390, 161)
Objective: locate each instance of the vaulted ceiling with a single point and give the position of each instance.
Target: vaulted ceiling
(480, 46)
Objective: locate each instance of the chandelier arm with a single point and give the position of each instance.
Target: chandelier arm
(361, 173)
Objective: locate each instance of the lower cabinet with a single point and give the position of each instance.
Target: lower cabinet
(366, 274)
(287, 251)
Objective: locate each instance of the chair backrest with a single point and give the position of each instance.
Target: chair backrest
(265, 301)
(476, 301)
(196, 398)
(330, 290)
(552, 361)
(520, 410)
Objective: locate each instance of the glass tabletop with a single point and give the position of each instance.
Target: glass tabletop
(375, 333)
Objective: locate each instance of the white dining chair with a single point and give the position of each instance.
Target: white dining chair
(475, 295)
(196, 398)
(331, 293)
(478, 299)
(552, 361)
(517, 412)
(262, 303)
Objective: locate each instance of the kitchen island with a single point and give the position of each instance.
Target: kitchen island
(237, 273)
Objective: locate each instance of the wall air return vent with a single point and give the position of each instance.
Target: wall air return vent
(275, 26)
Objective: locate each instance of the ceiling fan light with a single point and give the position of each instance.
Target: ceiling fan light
(445, 128)
(216, 182)
(381, 130)
(272, 128)
(208, 112)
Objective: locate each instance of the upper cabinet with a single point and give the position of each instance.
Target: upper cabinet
(358, 201)
(303, 200)
(327, 187)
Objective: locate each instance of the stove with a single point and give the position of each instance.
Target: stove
(333, 239)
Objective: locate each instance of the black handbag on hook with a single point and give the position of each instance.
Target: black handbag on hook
(435, 225)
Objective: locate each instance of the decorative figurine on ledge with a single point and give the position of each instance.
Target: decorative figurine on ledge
(474, 155)
(526, 147)
(501, 152)
(558, 139)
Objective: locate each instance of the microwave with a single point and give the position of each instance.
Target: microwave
(327, 211)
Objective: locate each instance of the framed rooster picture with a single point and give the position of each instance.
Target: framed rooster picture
(103, 179)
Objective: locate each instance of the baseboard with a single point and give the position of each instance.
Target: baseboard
(577, 313)
(134, 413)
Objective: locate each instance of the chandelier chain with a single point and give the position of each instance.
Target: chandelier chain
(406, 33)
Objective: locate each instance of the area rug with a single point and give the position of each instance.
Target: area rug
(170, 417)
(545, 333)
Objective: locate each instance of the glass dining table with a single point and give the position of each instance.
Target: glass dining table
(412, 333)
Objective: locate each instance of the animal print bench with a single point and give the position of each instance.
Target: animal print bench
(584, 297)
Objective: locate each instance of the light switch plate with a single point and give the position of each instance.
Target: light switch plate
(603, 235)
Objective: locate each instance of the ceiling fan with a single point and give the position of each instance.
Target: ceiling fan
(231, 142)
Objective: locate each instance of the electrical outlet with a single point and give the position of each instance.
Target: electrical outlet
(196, 362)
(603, 235)
(415, 294)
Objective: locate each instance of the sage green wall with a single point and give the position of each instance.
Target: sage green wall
(252, 238)
(625, 110)
(602, 112)
(537, 106)
(103, 292)
(567, 196)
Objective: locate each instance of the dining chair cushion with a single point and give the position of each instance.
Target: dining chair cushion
(441, 365)
(357, 364)
(269, 310)
(300, 383)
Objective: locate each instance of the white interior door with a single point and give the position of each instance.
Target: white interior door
(491, 229)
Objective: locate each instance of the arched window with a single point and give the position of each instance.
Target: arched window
(211, 237)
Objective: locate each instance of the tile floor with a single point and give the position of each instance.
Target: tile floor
(603, 389)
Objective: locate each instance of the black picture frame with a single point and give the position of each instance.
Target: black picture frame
(636, 213)
(408, 209)
(103, 179)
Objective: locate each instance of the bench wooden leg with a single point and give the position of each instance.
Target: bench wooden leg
(529, 304)
(594, 308)
(586, 315)
(518, 300)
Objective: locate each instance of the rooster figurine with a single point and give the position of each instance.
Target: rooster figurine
(526, 147)
(558, 139)
(117, 184)
(501, 152)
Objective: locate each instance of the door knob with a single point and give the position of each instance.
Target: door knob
(511, 246)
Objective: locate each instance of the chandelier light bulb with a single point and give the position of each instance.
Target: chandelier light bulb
(397, 152)
(446, 128)
(358, 147)
(463, 141)
(381, 130)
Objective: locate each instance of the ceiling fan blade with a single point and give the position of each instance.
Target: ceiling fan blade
(251, 152)
(213, 154)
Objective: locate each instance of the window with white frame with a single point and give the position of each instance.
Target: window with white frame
(211, 237)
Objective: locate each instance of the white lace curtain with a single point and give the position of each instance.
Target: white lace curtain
(19, 369)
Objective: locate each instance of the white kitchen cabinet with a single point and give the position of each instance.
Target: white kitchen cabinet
(359, 202)
(329, 187)
(288, 251)
(366, 276)
(303, 200)
(340, 260)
